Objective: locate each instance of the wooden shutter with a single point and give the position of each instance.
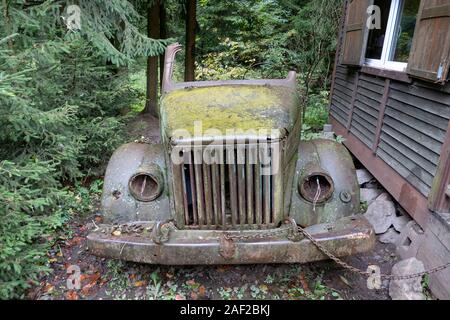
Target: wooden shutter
(355, 32)
(429, 57)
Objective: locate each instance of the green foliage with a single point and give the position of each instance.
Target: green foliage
(230, 63)
(62, 99)
(112, 26)
(234, 38)
(316, 114)
(266, 39)
(32, 207)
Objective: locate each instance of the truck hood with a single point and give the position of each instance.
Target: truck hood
(225, 110)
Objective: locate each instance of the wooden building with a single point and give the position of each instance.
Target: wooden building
(390, 100)
(390, 97)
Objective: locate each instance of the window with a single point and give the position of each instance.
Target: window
(388, 47)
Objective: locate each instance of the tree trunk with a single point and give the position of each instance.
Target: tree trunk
(8, 24)
(189, 67)
(152, 62)
(163, 35)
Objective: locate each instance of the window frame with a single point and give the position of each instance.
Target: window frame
(388, 46)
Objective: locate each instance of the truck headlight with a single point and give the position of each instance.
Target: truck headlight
(316, 187)
(147, 184)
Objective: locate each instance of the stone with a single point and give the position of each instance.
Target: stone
(327, 132)
(327, 128)
(391, 236)
(328, 135)
(364, 176)
(380, 214)
(408, 289)
(372, 185)
(400, 222)
(385, 196)
(369, 195)
(409, 241)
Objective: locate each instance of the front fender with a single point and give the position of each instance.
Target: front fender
(118, 204)
(336, 161)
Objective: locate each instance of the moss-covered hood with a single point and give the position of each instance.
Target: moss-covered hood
(239, 107)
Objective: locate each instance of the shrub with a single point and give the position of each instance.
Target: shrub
(32, 205)
(61, 116)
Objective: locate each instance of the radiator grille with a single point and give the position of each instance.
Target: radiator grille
(229, 194)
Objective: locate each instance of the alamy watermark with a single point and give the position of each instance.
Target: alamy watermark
(74, 277)
(233, 146)
(72, 19)
(374, 19)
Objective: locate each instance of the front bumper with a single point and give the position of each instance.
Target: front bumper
(347, 236)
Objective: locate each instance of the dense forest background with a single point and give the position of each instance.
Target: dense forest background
(67, 94)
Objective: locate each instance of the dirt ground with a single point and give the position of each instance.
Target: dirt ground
(111, 279)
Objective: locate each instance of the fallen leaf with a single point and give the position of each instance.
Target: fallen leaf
(140, 283)
(92, 281)
(169, 275)
(194, 296)
(76, 241)
(98, 219)
(48, 288)
(116, 233)
(179, 297)
(201, 290)
(90, 277)
(303, 282)
(83, 277)
(223, 268)
(85, 290)
(52, 260)
(71, 295)
(345, 281)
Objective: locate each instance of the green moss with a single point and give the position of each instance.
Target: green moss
(244, 107)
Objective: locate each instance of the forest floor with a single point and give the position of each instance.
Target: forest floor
(112, 279)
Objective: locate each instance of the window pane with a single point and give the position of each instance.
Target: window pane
(376, 36)
(404, 32)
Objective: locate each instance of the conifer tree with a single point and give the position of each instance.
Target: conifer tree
(60, 116)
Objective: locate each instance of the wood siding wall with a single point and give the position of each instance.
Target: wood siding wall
(402, 124)
(398, 126)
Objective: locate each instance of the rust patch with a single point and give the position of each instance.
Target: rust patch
(227, 247)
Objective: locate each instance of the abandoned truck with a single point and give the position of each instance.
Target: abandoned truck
(231, 182)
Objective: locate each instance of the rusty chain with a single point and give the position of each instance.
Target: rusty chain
(273, 233)
(345, 265)
(338, 261)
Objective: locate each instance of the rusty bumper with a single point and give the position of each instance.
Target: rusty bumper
(348, 236)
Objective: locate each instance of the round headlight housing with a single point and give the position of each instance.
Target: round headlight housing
(316, 187)
(147, 184)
